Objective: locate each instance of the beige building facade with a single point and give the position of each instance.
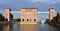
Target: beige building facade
(29, 15)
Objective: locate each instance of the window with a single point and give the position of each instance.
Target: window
(22, 19)
(27, 19)
(34, 19)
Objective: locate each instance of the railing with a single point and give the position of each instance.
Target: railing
(44, 12)
(38, 12)
(17, 12)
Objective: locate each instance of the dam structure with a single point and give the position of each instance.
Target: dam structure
(28, 15)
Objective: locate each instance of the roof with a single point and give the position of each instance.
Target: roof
(29, 8)
(8, 8)
(51, 8)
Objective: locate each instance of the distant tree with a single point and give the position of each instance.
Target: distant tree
(2, 17)
(11, 16)
(47, 20)
(18, 19)
(58, 17)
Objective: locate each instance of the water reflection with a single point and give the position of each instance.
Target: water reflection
(52, 28)
(27, 27)
(16, 27)
(1, 27)
(7, 27)
(43, 27)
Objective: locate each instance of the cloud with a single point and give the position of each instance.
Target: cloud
(45, 1)
(7, 1)
(34, 1)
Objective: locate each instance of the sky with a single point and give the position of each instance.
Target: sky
(42, 5)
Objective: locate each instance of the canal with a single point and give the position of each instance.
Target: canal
(27, 27)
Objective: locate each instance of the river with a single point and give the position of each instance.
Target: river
(27, 27)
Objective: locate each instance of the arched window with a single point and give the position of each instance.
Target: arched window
(34, 19)
(27, 20)
(22, 19)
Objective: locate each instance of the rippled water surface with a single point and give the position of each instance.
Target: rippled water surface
(27, 27)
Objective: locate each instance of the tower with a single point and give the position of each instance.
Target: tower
(51, 13)
(7, 13)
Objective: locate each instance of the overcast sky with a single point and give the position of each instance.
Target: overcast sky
(42, 5)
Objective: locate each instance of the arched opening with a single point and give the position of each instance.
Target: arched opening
(34, 19)
(22, 19)
(27, 20)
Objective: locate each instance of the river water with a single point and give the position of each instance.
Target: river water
(27, 27)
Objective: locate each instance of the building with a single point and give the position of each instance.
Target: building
(29, 15)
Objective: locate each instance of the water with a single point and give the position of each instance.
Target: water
(27, 27)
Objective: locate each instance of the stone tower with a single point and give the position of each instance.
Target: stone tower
(51, 14)
(7, 13)
(29, 15)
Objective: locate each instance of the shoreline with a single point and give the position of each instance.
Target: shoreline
(55, 25)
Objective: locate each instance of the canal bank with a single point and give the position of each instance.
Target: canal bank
(57, 25)
(7, 22)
